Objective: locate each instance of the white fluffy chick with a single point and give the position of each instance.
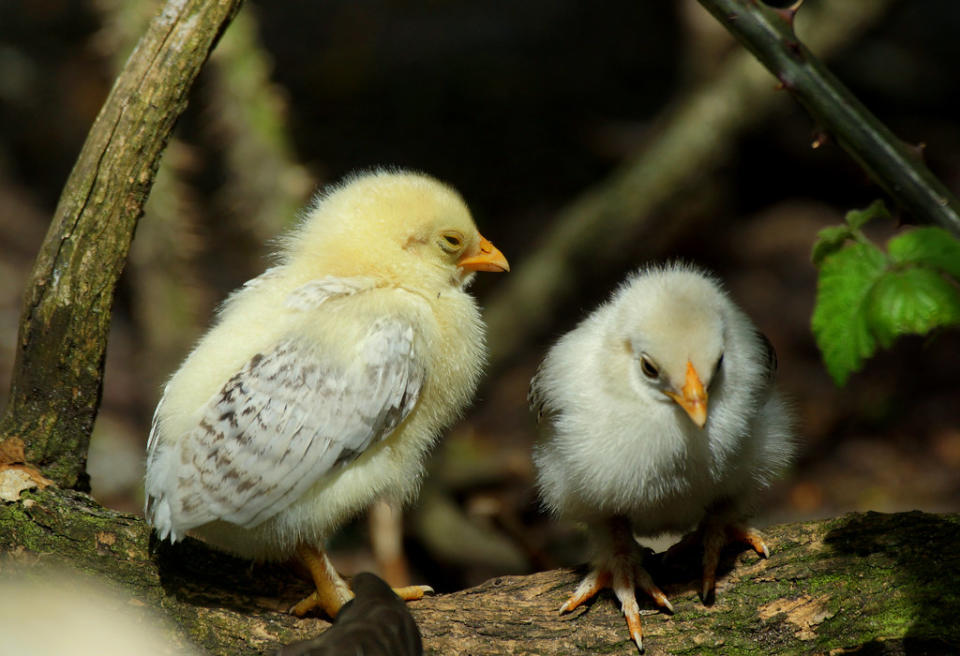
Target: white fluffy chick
(324, 381)
(630, 444)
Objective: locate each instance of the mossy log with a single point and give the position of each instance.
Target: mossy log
(865, 583)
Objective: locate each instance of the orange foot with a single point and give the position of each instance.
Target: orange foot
(713, 537)
(332, 591)
(624, 575)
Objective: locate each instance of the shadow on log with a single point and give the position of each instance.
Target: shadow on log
(862, 583)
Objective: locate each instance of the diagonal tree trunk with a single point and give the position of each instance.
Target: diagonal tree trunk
(58, 373)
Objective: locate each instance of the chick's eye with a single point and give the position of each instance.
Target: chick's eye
(648, 368)
(451, 241)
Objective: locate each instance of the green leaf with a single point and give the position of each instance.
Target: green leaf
(912, 301)
(839, 322)
(858, 218)
(930, 247)
(829, 240)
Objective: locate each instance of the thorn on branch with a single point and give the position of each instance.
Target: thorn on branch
(918, 150)
(788, 13)
(794, 48)
(784, 83)
(820, 138)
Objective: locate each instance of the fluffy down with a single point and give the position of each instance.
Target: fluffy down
(659, 413)
(614, 444)
(325, 380)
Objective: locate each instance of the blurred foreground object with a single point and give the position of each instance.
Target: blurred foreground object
(325, 380)
(61, 612)
(375, 622)
(631, 445)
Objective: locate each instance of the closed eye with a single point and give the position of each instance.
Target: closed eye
(451, 241)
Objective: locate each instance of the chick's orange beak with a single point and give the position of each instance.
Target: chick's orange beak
(692, 398)
(485, 257)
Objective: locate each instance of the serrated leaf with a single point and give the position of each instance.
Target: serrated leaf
(829, 240)
(912, 301)
(858, 218)
(931, 247)
(839, 321)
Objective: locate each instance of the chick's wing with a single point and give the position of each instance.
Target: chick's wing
(286, 419)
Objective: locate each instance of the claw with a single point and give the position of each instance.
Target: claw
(708, 589)
(634, 627)
(624, 587)
(645, 583)
(715, 537)
(413, 592)
(305, 605)
(713, 542)
(749, 536)
(591, 584)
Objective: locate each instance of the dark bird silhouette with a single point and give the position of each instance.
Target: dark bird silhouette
(375, 622)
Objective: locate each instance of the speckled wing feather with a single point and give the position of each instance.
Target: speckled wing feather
(281, 423)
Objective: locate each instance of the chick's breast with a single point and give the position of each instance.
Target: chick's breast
(596, 457)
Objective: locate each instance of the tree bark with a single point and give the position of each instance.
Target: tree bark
(65, 317)
(866, 583)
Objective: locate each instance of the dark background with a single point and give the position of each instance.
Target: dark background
(521, 106)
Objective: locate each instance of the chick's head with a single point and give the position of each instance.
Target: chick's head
(397, 227)
(674, 328)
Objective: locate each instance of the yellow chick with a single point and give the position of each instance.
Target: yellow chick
(325, 380)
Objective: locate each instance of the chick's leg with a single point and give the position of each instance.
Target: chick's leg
(386, 538)
(620, 570)
(715, 537)
(715, 532)
(332, 591)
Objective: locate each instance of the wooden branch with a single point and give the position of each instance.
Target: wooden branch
(882, 583)
(695, 138)
(897, 167)
(58, 373)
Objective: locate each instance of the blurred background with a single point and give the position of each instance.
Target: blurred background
(640, 128)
